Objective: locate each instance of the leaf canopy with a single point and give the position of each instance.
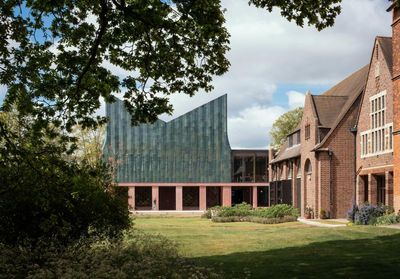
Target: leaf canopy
(59, 58)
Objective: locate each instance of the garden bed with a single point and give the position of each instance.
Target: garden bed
(254, 219)
(281, 213)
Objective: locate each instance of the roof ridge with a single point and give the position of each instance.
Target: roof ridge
(329, 96)
(346, 79)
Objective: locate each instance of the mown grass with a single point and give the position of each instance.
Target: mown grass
(290, 250)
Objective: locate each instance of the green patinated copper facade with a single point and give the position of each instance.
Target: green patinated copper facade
(191, 148)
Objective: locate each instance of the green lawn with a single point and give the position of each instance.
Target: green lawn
(291, 250)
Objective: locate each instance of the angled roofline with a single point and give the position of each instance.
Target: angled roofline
(395, 2)
(314, 110)
(339, 119)
(369, 70)
(343, 113)
(278, 160)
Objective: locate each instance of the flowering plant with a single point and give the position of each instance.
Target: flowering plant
(308, 212)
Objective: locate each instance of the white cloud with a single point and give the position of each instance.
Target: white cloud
(295, 99)
(267, 51)
(251, 127)
(266, 45)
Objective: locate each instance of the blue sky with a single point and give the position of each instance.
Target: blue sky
(274, 62)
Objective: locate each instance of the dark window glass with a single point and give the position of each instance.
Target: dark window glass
(190, 198)
(143, 198)
(290, 140)
(307, 132)
(262, 196)
(261, 169)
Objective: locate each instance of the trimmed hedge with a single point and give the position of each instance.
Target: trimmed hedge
(254, 219)
(276, 211)
(245, 213)
(242, 209)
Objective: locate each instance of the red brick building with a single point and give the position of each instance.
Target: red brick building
(375, 129)
(347, 147)
(396, 100)
(318, 159)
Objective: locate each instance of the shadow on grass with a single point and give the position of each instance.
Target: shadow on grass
(377, 257)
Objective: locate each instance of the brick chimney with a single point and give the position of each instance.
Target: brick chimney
(395, 9)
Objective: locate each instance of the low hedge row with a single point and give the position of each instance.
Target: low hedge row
(245, 213)
(254, 219)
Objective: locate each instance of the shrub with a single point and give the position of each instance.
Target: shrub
(388, 219)
(207, 214)
(244, 213)
(65, 200)
(261, 220)
(48, 193)
(276, 211)
(322, 214)
(308, 212)
(229, 219)
(242, 209)
(212, 211)
(254, 219)
(135, 256)
(367, 214)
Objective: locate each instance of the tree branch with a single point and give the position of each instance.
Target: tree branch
(93, 52)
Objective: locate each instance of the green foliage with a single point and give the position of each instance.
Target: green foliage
(44, 193)
(56, 57)
(254, 219)
(134, 256)
(284, 125)
(320, 13)
(207, 214)
(323, 214)
(277, 211)
(244, 213)
(388, 219)
(242, 209)
(89, 144)
(367, 214)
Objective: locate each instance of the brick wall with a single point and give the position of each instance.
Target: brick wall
(373, 87)
(341, 143)
(324, 202)
(396, 104)
(309, 182)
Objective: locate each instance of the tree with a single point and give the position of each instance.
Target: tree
(284, 125)
(47, 195)
(55, 55)
(89, 144)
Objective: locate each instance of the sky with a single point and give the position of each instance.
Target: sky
(274, 63)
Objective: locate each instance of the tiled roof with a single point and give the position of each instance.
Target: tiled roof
(386, 46)
(287, 152)
(351, 85)
(328, 108)
(356, 83)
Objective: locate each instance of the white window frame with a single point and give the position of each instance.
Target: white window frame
(376, 140)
